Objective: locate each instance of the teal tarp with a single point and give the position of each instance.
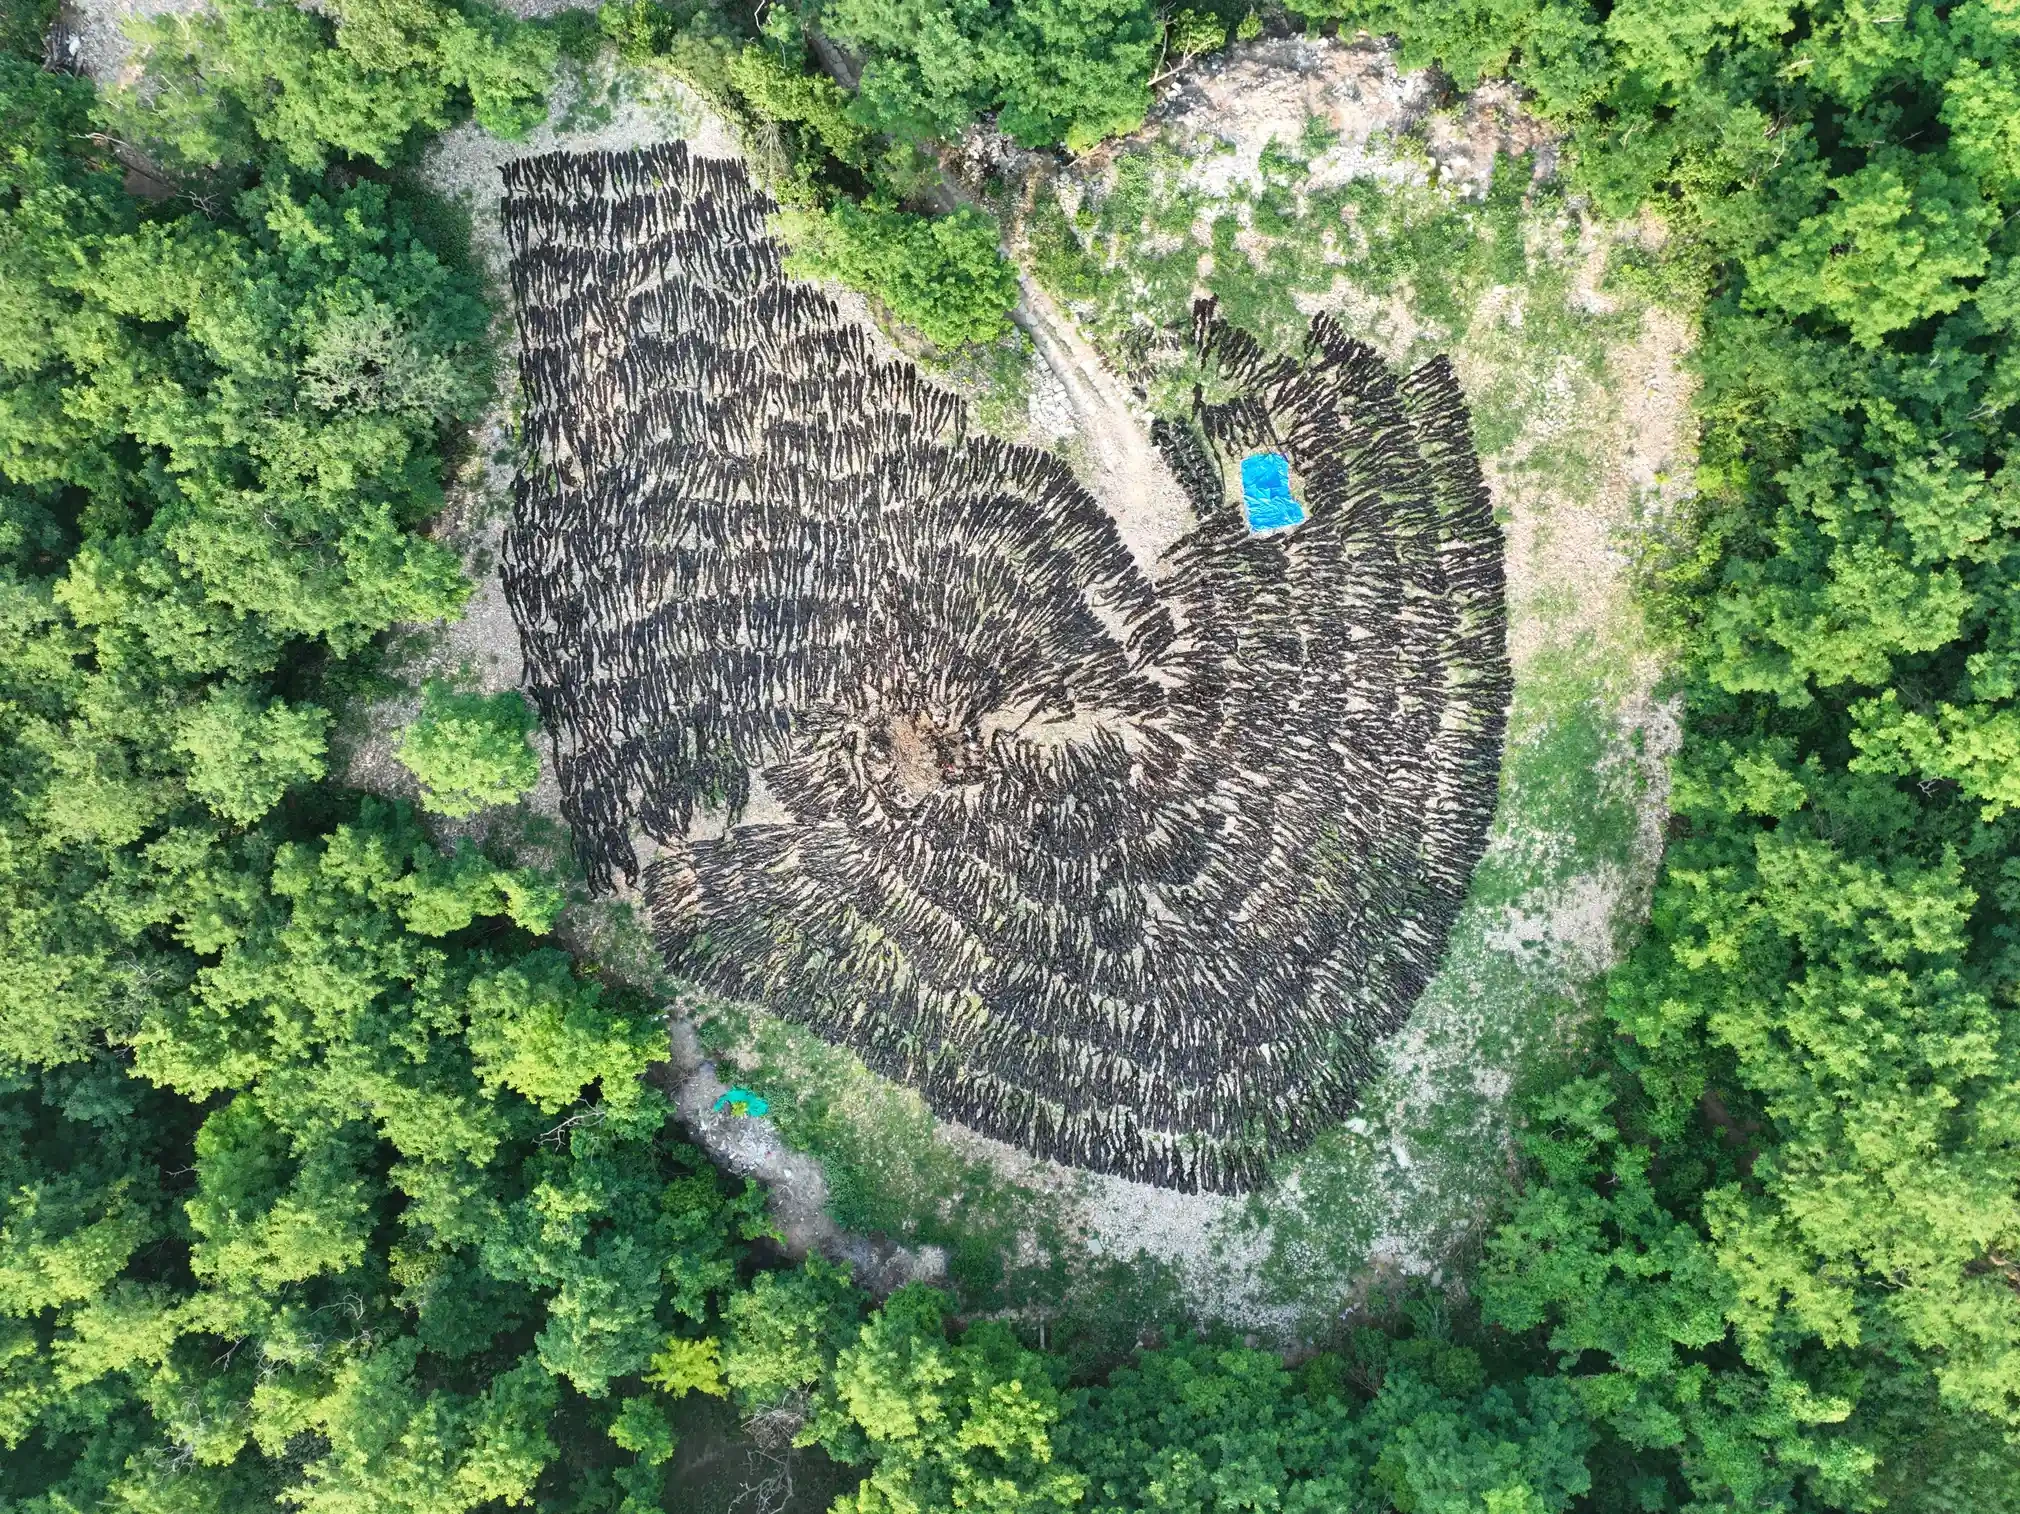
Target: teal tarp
(752, 1104)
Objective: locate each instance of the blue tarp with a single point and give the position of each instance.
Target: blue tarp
(752, 1104)
(1266, 491)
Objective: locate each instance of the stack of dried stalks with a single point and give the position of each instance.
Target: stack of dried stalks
(1134, 873)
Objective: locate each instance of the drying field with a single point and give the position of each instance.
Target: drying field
(1133, 870)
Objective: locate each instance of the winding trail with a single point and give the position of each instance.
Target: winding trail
(1122, 469)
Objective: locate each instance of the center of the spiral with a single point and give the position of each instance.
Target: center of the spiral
(914, 753)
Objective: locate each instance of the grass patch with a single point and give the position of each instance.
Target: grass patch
(1404, 262)
(1569, 805)
(1412, 1177)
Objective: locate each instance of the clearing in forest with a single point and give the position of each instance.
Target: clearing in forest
(1134, 871)
(1297, 179)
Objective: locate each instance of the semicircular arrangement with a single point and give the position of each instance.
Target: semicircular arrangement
(1131, 864)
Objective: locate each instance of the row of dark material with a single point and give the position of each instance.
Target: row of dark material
(1134, 871)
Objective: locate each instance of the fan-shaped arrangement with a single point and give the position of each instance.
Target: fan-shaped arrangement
(1131, 868)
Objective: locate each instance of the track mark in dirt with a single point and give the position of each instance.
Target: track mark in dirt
(1124, 471)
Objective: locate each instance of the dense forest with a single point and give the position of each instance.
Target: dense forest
(331, 1178)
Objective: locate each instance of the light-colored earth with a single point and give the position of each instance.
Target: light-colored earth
(101, 48)
(1271, 91)
(1115, 457)
(1570, 586)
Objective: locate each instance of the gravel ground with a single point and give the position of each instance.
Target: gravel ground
(1117, 461)
(1277, 90)
(103, 51)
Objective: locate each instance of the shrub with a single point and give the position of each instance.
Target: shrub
(469, 750)
(813, 101)
(944, 274)
(1191, 32)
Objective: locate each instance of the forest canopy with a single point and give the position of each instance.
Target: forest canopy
(333, 1179)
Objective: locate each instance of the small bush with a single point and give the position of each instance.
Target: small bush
(812, 101)
(942, 274)
(1191, 32)
(469, 750)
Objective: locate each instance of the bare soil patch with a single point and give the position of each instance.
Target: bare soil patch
(1117, 462)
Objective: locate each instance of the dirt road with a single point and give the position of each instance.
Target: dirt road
(1124, 471)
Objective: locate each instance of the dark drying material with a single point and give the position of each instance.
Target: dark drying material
(1132, 872)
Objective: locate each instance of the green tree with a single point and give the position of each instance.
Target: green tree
(359, 78)
(393, 1444)
(786, 1332)
(1189, 32)
(942, 1424)
(469, 751)
(782, 93)
(1893, 246)
(186, 520)
(943, 274)
(544, 1033)
(1071, 71)
(243, 754)
(24, 26)
(424, 1263)
(1209, 1429)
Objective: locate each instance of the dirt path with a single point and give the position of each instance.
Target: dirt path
(752, 1148)
(1122, 469)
